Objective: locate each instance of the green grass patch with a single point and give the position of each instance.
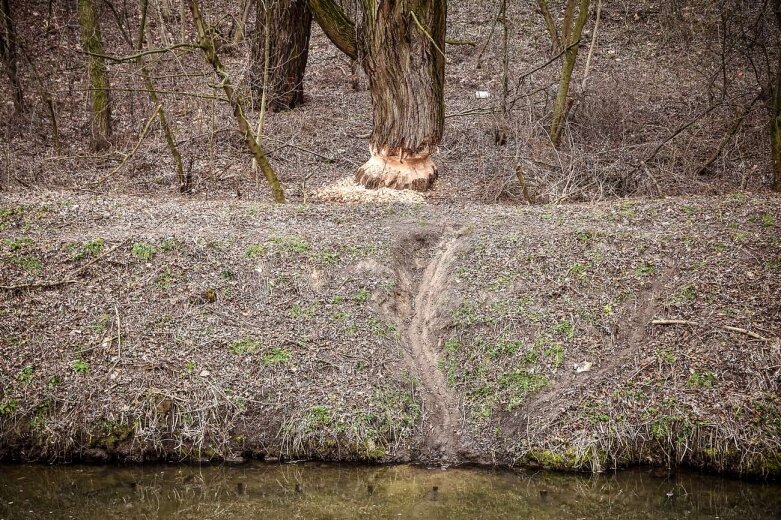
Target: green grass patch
(645, 269)
(144, 251)
(254, 251)
(291, 244)
(686, 295)
(701, 379)
(361, 296)
(278, 356)
(244, 346)
(90, 248)
(521, 383)
(79, 366)
(17, 244)
(564, 328)
(8, 406)
(305, 312)
(27, 374)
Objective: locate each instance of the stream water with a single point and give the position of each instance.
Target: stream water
(324, 491)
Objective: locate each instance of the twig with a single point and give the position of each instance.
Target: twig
(746, 332)
(424, 31)
(119, 333)
(488, 40)
(65, 280)
(133, 57)
(591, 48)
(451, 41)
(673, 322)
(132, 152)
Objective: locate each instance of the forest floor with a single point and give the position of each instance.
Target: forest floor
(655, 67)
(574, 337)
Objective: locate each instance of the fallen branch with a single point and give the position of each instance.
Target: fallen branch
(673, 322)
(724, 327)
(746, 332)
(66, 280)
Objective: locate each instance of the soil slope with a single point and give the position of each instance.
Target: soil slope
(581, 337)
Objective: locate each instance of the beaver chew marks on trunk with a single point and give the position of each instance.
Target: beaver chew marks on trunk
(400, 46)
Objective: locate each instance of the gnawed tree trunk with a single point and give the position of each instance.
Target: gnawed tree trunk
(100, 90)
(290, 23)
(8, 49)
(401, 46)
(207, 45)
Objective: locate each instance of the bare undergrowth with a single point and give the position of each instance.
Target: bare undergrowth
(657, 66)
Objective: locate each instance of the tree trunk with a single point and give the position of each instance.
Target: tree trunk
(207, 45)
(290, 27)
(775, 111)
(775, 128)
(331, 18)
(185, 180)
(550, 25)
(571, 39)
(8, 48)
(401, 44)
(100, 90)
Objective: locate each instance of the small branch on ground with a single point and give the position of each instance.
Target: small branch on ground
(66, 279)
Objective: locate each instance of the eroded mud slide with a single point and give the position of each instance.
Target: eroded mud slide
(423, 263)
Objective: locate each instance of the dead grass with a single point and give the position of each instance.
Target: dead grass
(220, 330)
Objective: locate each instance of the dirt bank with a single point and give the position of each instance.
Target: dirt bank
(571, 337)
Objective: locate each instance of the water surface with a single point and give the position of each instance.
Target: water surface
(321, 491)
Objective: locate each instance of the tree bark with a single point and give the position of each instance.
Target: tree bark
(337, 26)
(8, 48)
(401, 46)
(100, 90)
(775, 112)
(290, 27)
(571, 38)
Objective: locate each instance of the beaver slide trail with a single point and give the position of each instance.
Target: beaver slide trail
(418, 309)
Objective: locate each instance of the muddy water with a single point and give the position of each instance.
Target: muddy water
(289, 491)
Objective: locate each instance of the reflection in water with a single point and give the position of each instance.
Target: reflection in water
(323, 491)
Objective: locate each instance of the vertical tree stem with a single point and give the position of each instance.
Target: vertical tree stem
(185, 181)
(206, 42)
(572, 37)
(98, 75)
